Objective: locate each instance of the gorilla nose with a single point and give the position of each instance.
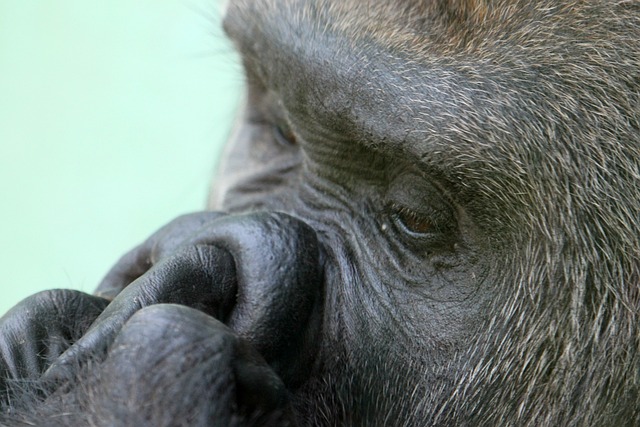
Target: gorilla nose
(279, 272)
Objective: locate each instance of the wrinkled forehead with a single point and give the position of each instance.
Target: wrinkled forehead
(458, 86)
(386, 72)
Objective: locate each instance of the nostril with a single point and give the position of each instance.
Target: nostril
(279, 281)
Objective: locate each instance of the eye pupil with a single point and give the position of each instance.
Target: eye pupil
(414, 222)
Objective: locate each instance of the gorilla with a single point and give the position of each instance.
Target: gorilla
(427, 215)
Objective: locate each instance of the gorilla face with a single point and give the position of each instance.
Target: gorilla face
(427, 216)
(408, 275)
(452, 178)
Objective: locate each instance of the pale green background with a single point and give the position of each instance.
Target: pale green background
(111, 117)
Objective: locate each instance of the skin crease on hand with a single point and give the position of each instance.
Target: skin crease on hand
(426, 215)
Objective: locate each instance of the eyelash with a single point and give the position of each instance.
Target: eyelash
(411, 221)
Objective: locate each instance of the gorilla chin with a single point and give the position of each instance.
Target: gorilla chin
(427, 215)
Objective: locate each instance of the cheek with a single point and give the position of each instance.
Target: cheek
(380, 295)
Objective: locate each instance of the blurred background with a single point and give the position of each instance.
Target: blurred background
(112, 115)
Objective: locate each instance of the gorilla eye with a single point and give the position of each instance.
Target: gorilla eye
(284, 135)
(420, 212)
(411, 221)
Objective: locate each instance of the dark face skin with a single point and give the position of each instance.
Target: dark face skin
(407, 268)
(426, 215)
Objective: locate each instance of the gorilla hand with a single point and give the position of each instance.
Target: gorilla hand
(235, 385)
(199, 276)
(260, 274)
(161, 244)
(37, 330)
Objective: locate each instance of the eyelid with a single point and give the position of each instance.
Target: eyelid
(426, 222)
(407, 216)
(284, 135)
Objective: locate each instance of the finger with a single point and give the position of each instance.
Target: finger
(129, 267)
(161, 244)
(166, 349)
(202, 277)
(36, 331)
